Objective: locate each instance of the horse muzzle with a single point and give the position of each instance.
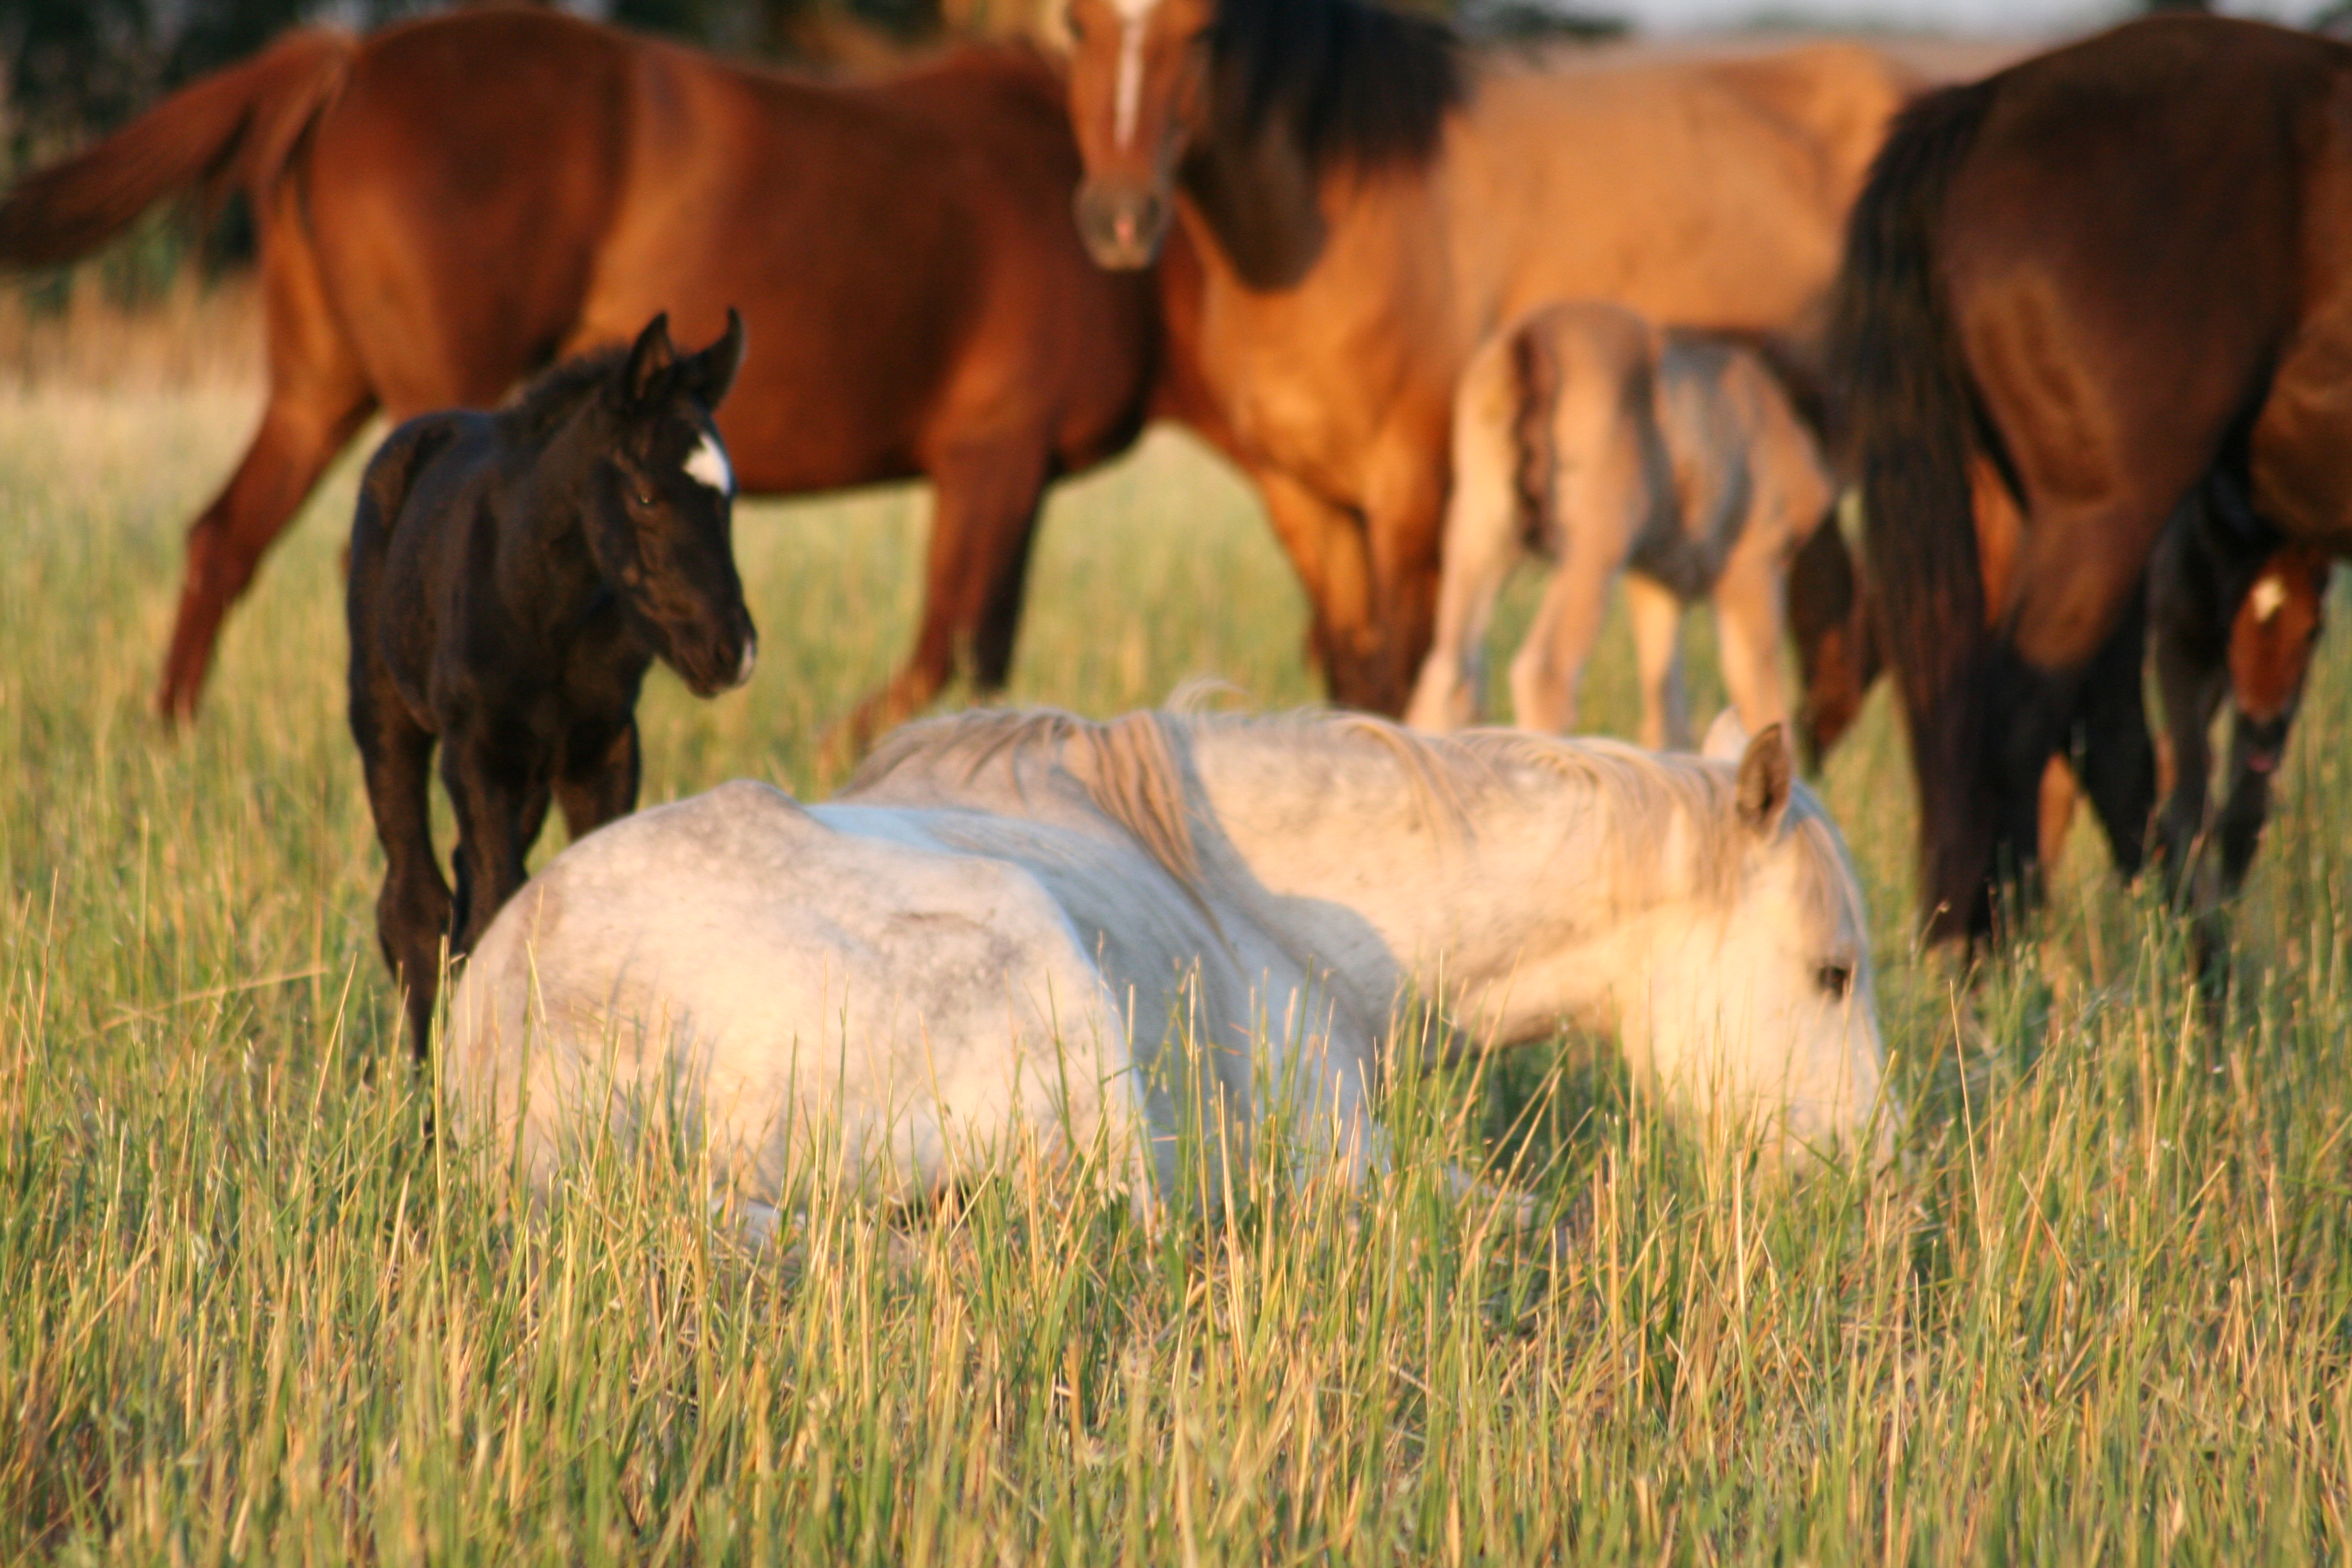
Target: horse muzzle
(1121, 223)
(721, 663)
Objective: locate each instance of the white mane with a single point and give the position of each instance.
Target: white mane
(1031, 919)
(1138, 771)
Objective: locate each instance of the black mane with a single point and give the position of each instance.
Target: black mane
(547, 399)
(1361, 84)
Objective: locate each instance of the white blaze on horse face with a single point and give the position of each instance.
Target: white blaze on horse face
(2269, 593)
(707, 465)
(1127, 93)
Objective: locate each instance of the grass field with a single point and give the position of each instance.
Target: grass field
(2102, 1313)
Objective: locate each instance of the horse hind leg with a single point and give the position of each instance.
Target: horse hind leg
(319, 397)
(413, 907)
(1484, 530)
(1657, 616)
(983, 519)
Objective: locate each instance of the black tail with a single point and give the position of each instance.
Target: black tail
(1908, 411)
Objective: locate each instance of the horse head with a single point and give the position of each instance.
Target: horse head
(2271, 642)
(1138, 96)
(660, 512)
(1758, 998)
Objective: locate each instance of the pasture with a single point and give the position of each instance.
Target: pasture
(2103, 1310)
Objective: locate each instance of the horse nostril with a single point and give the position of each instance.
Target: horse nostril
(750, 656)
(1121, 224)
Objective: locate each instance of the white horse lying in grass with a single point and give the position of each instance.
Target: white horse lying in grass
(1024, 924)
(1674, 458)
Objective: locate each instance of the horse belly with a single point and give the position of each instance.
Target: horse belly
(1660, 191)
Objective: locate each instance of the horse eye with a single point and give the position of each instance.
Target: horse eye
(1836, 979)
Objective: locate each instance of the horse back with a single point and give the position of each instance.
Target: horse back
(496, 188)
(2116, 347)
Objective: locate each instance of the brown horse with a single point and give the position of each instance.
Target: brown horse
(2100, 276)
(1368, 204)
(2215, 631)
(449, 204)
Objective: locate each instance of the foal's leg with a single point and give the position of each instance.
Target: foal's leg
(1607, 482)
(412, 912)
(602, 787)
(1748, 597)
(1657, 616)
(501, 792)
(1483, 531)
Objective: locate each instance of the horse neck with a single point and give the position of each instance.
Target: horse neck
(547, 574)
(1258, 202)
(1525, 899)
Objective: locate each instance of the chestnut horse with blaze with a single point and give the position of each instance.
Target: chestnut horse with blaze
(2104, 276)
(449, 204)
(1369, 202)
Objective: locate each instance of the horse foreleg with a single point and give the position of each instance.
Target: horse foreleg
(603, 788)
(2118, 758)
(1483, 537)
(501, 798)
(2238, 830)
(412, 912)
(1657, 616)
(1327, 548)
(1404, 526)
(984, 516)
(1747, 597)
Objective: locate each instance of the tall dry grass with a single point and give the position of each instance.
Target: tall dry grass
(2102, 1313)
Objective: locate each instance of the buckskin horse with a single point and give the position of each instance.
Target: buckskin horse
(2094, 280)
(1369, 202)
(449, 204)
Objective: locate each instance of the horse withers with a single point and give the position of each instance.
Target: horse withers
(513, 576)
(1095, 935)
(1675, 459)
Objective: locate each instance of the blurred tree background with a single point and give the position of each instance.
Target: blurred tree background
(78, 69)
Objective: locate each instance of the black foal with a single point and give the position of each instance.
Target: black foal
(513, 575)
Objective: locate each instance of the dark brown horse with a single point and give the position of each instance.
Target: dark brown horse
(2214, 633)
(450, 205)
(2100, 276)
(1369, 202)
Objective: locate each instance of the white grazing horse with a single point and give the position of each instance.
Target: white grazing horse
(1019, 924)
(1675, 458)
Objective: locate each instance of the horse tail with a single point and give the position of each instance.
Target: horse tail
(1536, 378)
(235, 130)
(1906, 410)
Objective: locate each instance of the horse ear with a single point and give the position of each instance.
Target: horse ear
(1726, 738)
(709, 374)
(649, 356)
(1762, 794)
